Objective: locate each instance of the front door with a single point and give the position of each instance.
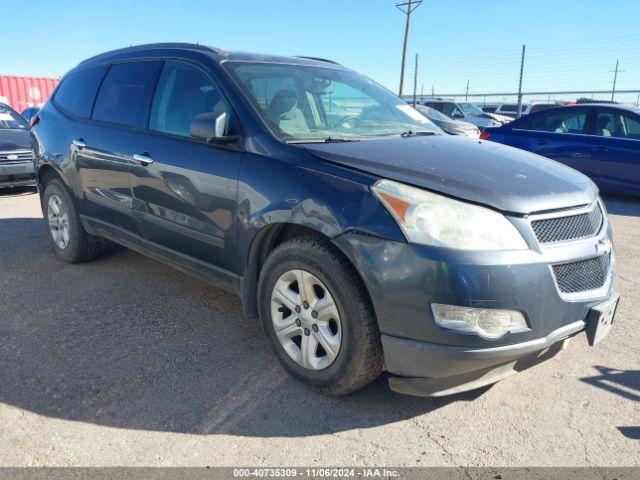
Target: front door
(185, 189)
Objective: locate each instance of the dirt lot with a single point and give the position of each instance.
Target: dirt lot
(124, 361)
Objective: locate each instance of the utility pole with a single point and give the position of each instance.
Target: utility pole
(432, 92)
(615, 78)
(519, 113)
(415, 83)
(466, 93)
(638, 100)
(406, 8)
(422, 90)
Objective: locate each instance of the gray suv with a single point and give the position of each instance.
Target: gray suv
(359, 236)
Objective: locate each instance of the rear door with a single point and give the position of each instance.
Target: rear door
(185, 189)
(102, 146)
(615, 157)
(558, 134)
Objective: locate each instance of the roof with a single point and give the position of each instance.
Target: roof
(216, 53)
(619, 106)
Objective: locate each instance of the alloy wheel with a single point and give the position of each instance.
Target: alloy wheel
(58, 219)
(306, 319)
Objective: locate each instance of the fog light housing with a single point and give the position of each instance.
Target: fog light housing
(485, 322)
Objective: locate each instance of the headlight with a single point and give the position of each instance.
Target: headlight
(485, 322)
(430, 219)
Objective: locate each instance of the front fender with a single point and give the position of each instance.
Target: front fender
(325, 198)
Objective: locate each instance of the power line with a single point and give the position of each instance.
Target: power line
(524, 49)
(615, 78)
(406, 8)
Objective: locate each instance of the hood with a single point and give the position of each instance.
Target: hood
(456, 127)
(487, 173)
(498, 118)
(14, 140)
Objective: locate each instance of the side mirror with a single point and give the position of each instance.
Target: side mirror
(211, 128)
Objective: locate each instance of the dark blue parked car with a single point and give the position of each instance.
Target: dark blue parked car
(601, 141)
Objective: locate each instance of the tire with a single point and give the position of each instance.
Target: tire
(80, 246)
(359, 358)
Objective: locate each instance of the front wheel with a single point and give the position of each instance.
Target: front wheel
(318, 318)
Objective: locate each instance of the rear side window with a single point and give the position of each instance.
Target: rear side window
(122, 93)
(558, 122)
(613, 124)
(77, 91)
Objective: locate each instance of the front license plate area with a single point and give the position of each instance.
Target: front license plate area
(600, 319)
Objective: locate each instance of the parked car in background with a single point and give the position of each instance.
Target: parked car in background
(511, 109)
(16, 157)
(600, 140)
(361, 243)
(489, 107)
(449, 125)
(30, 112)
(453, 110)
(474, 110)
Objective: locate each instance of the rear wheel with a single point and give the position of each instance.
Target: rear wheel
(318, 318)
(70, 240)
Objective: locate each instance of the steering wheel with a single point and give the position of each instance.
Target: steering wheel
(350, 121)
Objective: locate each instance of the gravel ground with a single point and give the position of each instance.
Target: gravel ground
(124, 361)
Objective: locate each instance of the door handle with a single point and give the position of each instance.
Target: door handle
(79, 143)
(142, 159)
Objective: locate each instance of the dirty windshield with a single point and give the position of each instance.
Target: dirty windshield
(307, 103)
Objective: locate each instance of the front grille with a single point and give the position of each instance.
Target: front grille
(582, 276)
(16, 156)
(572, 227)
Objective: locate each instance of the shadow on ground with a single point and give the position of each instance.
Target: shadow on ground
(624, 383)
(17, 191)
(126, 342)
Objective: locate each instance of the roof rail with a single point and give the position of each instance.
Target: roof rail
(319, 59)
(149, 46)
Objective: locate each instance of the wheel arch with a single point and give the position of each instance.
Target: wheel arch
(263, 243)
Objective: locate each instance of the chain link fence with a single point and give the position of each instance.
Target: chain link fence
(510, 100)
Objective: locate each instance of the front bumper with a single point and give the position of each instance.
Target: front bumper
(17, 174)
(425, 359)
(429, 369)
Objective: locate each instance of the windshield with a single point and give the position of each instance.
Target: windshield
(11, 120)
(471, 109)
(433, 114)
(307, 103)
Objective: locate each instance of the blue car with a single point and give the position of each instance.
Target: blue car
(601, 141)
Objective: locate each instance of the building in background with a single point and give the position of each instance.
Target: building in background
(22, 92)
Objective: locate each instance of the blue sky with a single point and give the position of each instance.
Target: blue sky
(571, 44)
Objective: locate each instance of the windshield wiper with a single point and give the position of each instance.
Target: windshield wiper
(324, 140)
(411, 133)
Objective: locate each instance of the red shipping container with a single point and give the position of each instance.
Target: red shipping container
(22, 92)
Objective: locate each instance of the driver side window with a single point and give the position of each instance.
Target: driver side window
(183, 93)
